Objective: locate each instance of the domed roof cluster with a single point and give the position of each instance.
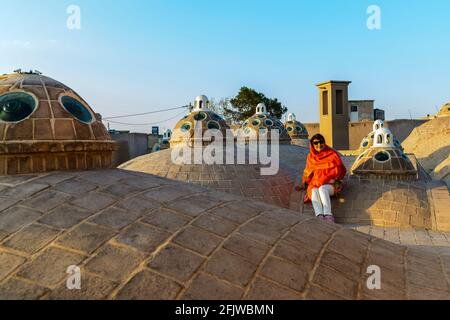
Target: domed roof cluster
(196, 123)
(260, 125)
(45, 126)
(239, 178)
(381, 154)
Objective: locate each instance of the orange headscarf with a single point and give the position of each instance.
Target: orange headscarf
(323, 167)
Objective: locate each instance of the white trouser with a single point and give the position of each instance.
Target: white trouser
(321, 199)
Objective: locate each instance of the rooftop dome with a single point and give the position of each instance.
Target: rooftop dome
(198, 121)
(430, 143)
(368, 141)
(445, 110)
(261, 124)
(297, 131)
(239, 179)
(383, 158)
(140, 237)
(46, 126)
(378, 124)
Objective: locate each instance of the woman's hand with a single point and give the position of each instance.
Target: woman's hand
(300, 187)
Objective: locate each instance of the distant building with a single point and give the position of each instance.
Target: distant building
(364, 110)
(360, 110)
(131, 145)
(378, 114)
(344, 128)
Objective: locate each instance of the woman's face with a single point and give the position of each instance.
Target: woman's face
(319, 145)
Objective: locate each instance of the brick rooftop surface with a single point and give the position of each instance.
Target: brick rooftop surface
(137, 236)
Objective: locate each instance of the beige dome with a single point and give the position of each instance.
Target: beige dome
(45, 126)
(198, 121)
(297, 131)
(239, 179)
(261, 124)
(445, 110)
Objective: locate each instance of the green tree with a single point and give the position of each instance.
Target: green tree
(243, 106)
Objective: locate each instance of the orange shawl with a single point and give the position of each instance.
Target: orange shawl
(323, 167)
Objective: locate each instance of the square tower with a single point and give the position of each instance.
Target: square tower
(333, 109)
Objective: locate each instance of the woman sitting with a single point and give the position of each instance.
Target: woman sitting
(322, 177)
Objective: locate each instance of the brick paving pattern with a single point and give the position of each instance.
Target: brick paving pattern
(162, 239)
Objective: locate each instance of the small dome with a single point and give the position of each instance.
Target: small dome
(197, 122)
(261, 124)
(47, 126)
(368, 141)
(382, 155)
(296, 130)
(378, 124)
(383, 138)
(445, 110)
(291, 117)
(167, 135)
(201, 103)
(261, 109)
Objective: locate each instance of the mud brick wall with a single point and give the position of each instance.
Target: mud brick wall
(383, 202)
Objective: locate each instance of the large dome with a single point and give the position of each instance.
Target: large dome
(430, 143)
(46, 126)
(445, 110)
(239, 179)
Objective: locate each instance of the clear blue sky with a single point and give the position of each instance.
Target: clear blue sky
(137, 56)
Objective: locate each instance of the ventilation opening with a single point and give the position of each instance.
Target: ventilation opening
(382, 156)
(200, 116)
(16, 106)
(325, 103)
(77, 109)
(213, 125)
(186, 127)
(339, 102)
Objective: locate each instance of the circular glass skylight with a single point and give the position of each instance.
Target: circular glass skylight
(16, 106)
(186, 126)
(77, 109)
(382, 156)
(365, 143)
(256, 122)
(200, 116)
(213, 125)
